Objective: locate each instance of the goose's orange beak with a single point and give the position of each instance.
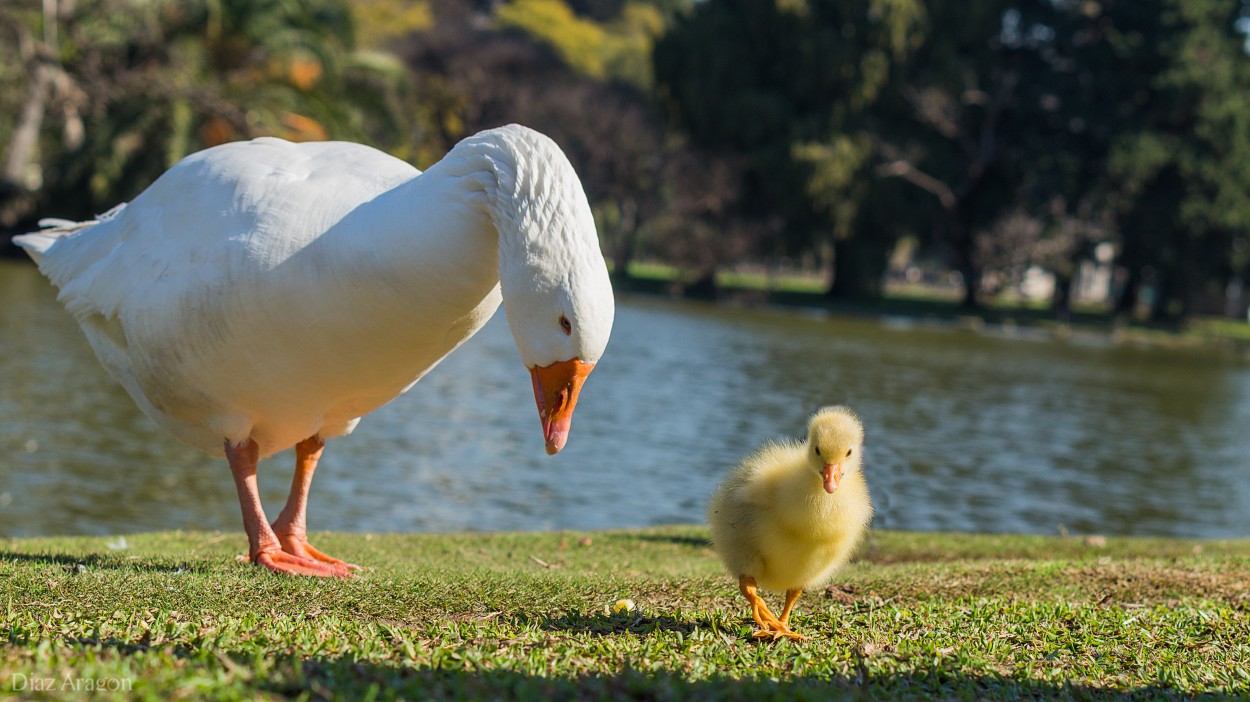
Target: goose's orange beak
(833, 475)
(555, 391)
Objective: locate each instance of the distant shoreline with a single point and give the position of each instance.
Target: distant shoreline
(997, 318)
(1226, 336)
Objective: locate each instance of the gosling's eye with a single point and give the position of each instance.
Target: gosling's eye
(566, 325)
(817, 450)
(848, 452)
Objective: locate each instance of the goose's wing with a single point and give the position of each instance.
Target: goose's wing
(146, 278)
(220, 210)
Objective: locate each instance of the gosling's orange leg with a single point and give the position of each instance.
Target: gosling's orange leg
(291, 524)
(792, 596)
(746, 585)
(264, 548)
(770, 626)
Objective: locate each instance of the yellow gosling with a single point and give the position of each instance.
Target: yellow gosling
(792, 513)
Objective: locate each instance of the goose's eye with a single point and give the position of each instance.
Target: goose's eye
(848, 452)
(817, 450)
(566, 325)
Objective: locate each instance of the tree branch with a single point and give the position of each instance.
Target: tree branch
(906, 171)
(938, 111)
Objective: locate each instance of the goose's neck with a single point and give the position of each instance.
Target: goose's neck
(520, 191)
(432, 237)
(448, 213)
(480, 195)
(504, 208)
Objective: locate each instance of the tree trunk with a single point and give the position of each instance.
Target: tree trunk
(1126, 301)
(1061, 301)
(26, 132)
(704, 287)
(626, 240)
(859, 265)
(972, 281)
(1171, 303)
(961, 240)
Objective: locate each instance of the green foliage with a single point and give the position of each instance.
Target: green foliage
(997, 134)
(1162, 137)
(629, 42)
(787, 86)
(621, 49)
(155, 81)
(950, 127)
(643, 183)
(578, 41)
(381, 23)
(834, 167)
(1086, 117)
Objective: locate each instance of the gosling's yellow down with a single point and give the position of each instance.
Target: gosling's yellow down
(792, 513)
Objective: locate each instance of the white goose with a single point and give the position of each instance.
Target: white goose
(266, 294)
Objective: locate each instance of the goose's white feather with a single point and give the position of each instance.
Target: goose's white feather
(276, 291)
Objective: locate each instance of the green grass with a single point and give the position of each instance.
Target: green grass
(789, 282)
(1221, 328)
(918, 616)
(918, 301)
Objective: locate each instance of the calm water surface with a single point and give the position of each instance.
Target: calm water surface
(993, 432)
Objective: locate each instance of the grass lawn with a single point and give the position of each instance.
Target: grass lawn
(918, 616)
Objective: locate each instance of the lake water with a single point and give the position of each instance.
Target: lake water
(991, 432)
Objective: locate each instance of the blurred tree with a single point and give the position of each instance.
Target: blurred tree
(380, 23)
(618, 49)
(1184, 164)
(699, 229)
(950, 126)
(578, 41)
(154, 81)
(606, 11)
(1149, 122)
(781, 85)
(34, 82)
(1068, 97)
(480, 76)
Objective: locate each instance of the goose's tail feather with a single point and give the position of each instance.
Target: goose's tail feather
(51, 229)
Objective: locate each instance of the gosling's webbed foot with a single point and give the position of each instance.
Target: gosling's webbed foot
(777, 631)
(776, 635)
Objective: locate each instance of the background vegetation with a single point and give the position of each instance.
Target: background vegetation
(854, 139)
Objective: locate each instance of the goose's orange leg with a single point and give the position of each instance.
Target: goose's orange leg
(290, 526)
(264, 548)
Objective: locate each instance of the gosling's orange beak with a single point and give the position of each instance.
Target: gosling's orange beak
(833, 475)
(555, 391)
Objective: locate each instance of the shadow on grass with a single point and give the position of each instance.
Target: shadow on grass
(329, 677)
(349, 679)
(71, 562)
(691, 541)
(609, 624)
